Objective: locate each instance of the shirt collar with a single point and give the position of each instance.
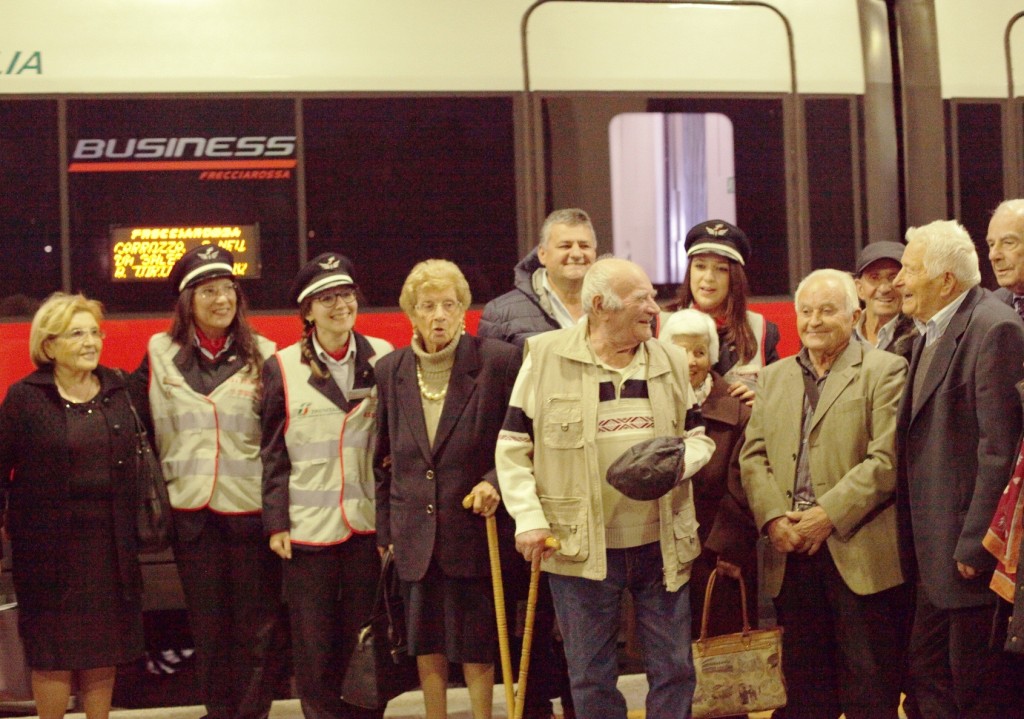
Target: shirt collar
(327, 359)
(885, 332)
(206, 353)
(934, 328)
(561, 313)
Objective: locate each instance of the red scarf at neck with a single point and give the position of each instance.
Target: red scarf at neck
(212, 345)
(340, 354)
(720, 320)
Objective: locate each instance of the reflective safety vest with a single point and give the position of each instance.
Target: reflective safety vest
(331, 485)
(209, 445)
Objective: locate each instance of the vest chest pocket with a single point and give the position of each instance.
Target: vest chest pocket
(563, 423)
(568, 519)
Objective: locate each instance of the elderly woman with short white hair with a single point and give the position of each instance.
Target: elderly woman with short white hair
(727, 533)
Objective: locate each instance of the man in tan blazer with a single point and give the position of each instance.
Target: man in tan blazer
(819, 471)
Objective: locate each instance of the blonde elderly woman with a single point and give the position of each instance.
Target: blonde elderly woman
(727, 533)
(442, 402)
(67, 469)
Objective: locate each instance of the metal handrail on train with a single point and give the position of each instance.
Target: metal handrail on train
(796, 165)
(1012, 179)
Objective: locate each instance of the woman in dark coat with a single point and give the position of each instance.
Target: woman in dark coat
(67, 448)
(727, 533)
(442, 403)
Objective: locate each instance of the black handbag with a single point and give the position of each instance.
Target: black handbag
(380, 668)
(154, 525)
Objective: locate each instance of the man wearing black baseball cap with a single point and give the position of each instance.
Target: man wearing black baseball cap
(882, 325)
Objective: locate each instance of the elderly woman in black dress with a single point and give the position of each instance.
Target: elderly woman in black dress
(442, 403)
(67, 467)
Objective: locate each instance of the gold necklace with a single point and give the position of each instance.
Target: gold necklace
(427, 394)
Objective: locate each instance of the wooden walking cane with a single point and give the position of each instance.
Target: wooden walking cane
(498, 588)
(531, 612)
(515, 699)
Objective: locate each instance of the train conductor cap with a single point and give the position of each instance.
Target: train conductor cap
(718, 237)
(649, 469)
(200, 264)
(322, 273)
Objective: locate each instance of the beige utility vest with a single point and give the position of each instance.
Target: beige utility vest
(331, 485)
(209, 445)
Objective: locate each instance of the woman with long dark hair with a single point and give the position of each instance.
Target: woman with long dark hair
(716, 284)
(204, 388)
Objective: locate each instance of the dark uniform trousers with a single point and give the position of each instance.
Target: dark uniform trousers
(842, 652)
(232, 584)
(330, 594)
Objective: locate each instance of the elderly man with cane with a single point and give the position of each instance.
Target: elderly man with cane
(584, 397)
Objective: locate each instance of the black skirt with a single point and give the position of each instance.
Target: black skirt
(95, 626)
(453, 616)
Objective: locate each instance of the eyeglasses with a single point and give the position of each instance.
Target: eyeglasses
(330, 299)
(209, 293)
(428, 308)
(80, 333)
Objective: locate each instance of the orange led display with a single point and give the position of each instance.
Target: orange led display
(149, 253)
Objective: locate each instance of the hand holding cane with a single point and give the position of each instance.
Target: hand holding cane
(498, 588)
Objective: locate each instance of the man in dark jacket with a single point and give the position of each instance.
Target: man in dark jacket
(548, 281)
(956, 439)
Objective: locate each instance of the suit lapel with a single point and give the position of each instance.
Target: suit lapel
(945, 348)
(461, 387)
(791, 402)
(410, 403)
(839, 378)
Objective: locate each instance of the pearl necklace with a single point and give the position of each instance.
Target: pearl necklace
(427, 394)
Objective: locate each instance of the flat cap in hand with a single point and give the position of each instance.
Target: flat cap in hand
(649, 469)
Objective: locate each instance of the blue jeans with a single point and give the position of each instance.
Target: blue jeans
(588, 616)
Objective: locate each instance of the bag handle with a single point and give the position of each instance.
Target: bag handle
(387, 570)
(140, 428)
(707, 605)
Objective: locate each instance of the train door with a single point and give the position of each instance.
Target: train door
(798, 181)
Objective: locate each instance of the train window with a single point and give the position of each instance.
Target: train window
(392, 181)
(833, 181)
(176, 170)
(578, 159)
(29, 205)
(977, 169)
(668, 172)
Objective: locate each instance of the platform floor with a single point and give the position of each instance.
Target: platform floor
(406, 706)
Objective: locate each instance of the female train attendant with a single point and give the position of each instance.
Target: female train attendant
(203, 393)
(67, 469)
(319, 432)
(716, 283)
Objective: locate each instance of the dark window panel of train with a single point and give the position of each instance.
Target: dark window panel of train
(392, 181)
(760, 181)
(29, 205)
(832, 179)
(978, 178)
(99, 200)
